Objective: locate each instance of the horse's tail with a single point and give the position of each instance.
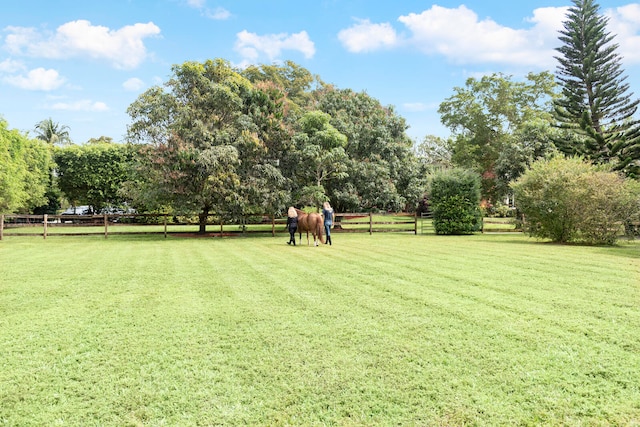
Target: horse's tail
(320, 226)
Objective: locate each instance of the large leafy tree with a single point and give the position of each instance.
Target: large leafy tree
(263, 163)
(382, 168)
(321, 154)
(210, 135)
(52, 132)
(488, 118)
(94, 174)
(25, 171)
(595, 101)
(532, 140)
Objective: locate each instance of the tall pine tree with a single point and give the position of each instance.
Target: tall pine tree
(595, 105)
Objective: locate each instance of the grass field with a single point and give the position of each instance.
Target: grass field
(389, 329)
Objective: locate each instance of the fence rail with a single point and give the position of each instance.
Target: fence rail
(112, 224)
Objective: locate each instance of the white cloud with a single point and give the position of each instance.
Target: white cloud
(624, 23)
(219, 13)
(459, 35)
(365, 36)
(133, 84)
(472, 40)
(124, 47)
(37, 79)
(19, 37)
(251, 46)
(11, 66)
(81, 105)
(197, 4)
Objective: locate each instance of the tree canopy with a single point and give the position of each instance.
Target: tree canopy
(209, 136)
(230, 141)
(25, 171)
(94, 174)
(382, 169)
(215, 139)
(321, 156)
(489, 118)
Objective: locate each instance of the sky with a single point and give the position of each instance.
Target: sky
(82, 63)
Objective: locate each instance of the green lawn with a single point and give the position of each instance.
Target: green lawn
(389, 329)
(499, 224)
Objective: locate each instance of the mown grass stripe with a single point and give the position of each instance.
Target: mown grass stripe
(374, 330)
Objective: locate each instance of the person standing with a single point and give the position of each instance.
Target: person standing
(292, 225)
(327, 212)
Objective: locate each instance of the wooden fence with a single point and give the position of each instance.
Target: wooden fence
(111, 224)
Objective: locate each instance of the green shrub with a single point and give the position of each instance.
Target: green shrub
(570, 200)
(455, 201)
(503, 211)
(499, 210)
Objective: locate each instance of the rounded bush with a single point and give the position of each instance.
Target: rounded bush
(570, 200)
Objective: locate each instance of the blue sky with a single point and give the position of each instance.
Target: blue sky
(82, 62)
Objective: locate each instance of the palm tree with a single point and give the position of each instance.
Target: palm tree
(53, 133)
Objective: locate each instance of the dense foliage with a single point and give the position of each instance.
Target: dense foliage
(212, 141)
(221, 140)
(499, 127)
(570, 200)
(455, 201)
(25, 171)
(94, 174)
(383, 173)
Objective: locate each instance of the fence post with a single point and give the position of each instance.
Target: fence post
(415, 223)
(45, 220)
(1, 226)
(370, 223)
(106, 225)
(165, 226)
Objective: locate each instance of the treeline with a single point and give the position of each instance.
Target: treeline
(241, 141)
(218, 139)
(215, 138)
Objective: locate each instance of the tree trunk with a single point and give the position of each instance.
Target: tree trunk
(203, 222)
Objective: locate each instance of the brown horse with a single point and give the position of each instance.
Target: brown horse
(313, 223)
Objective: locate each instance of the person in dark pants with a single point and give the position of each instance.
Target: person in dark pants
(327, 212)
(292, 225)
